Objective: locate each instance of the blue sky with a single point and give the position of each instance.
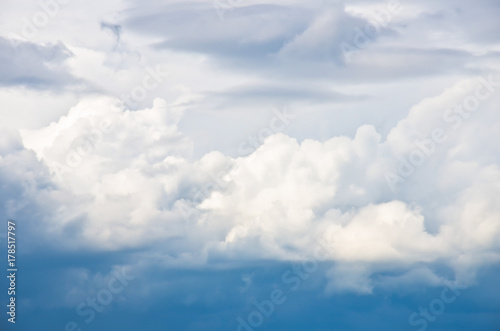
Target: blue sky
(251, 164)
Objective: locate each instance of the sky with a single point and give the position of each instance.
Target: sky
(289, 165)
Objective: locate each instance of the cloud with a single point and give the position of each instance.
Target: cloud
(124, 187)
(389, 167)
(135, 184)
(35, 66)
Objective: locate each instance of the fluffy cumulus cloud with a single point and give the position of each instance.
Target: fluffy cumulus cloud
(124, 179)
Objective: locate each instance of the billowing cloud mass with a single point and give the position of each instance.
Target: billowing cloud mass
(127, 178)
(213, 144)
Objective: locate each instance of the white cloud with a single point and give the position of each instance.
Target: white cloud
(123, 178)
(130, 188)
